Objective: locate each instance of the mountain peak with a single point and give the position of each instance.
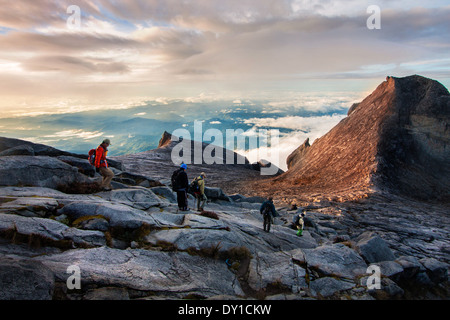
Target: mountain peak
(396, 139)
(165, 140)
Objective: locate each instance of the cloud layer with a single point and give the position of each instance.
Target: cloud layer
(175, 48)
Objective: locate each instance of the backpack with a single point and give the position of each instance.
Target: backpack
(194, 187)
(266, 210)
(174, 181)
(91, 156)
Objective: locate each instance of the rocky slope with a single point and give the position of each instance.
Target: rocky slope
(158, 163)
(395, 140)
(132, 243)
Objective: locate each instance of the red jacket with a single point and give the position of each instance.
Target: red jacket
(100, 157)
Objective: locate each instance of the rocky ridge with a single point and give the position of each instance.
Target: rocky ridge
(395, 141)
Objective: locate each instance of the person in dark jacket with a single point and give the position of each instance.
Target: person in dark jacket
(181, 187)
(268, 211)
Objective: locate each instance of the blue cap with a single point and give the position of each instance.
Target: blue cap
(183, 165)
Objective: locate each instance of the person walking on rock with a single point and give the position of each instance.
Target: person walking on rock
(268, 211)
(299, 223)
(180, 184)
(198, 185)
(101, 165)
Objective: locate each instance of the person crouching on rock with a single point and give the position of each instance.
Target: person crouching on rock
(199, 191)
(181, 186)
(101, 165)
(299, 223)
(268, 211)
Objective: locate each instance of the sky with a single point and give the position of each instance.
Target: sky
(302, 62)
(127, 51)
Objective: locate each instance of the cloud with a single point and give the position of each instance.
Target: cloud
(66, 135)
(72, 65)
(303, 128)
(319, 124)
(164, 48)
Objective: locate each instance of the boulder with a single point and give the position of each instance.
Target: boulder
(42, 171)
(195, 221)
(278, 270)
(170, 274)
(196, 239)
(83, 165)
(136, 180)
(335, 260)
(118, 215)
(389, 290)
(138, 198)
(436, 270)
(25, 279)
(93, 223)
(327, 286)
(165, 193)
(85, 238)
(373, 248)
(391, 269)
(38, 227)
(29, 206)
(51, 232)
(411, 266)
(216, 194)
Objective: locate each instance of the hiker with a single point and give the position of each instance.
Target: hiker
(180, 185)
(101, 165)
(299, 223)
(268, 211)
(198, 187)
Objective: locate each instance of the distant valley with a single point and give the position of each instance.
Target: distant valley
(138, 129)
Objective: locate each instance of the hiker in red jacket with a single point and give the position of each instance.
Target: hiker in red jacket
(101, 165)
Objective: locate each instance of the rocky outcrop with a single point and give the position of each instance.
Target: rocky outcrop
(165, 140)
(296, 156)
(395, 140)
(230, 175)
(373, 248)
(40, 171)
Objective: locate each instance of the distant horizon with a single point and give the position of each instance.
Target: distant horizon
(138, 127)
